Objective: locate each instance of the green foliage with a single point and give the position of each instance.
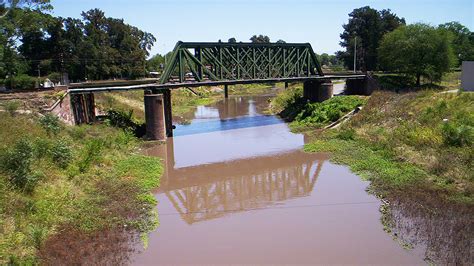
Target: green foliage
(462, 41)
(121, 119)
(288, 103)
(21, 82)
(320, 114)
(54, 77)
(91, 180)
(12, 106)
(146, 170)
(418, 50)
(369, 26)
(420, 143)
(90, 153)
(16, 163)
(96, 47)
(372, 164)
(50, 124)
(458, 134)
(61, 153)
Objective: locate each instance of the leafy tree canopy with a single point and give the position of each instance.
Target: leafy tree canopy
(463, 41)
(417, 50)
(260, 39)
(366, 27)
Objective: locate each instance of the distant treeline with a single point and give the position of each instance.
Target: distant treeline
(93, 47)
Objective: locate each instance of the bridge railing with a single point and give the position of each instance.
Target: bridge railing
(199, 62)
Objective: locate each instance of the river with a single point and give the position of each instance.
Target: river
(237, 189)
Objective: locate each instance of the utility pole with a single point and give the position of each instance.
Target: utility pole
(355, 53)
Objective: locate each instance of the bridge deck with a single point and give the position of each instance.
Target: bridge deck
(85, 88)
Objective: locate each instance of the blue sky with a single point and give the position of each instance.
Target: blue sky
(318, 22)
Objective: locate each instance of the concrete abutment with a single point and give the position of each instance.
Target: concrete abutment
(317, 91)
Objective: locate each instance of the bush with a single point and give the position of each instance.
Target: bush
(12, 106)
(17, 164)
(61, 153)
(90, 153)
(346, 134)
(21, 82)
(55, 77)
(317, 114)
(458, 135)
(51, 124)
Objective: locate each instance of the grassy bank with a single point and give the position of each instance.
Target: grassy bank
(56, 179)
(416, 145)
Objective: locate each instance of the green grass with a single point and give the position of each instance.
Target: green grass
(417, 144)
(88, 178)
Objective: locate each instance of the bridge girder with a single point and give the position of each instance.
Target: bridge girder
(204, 61)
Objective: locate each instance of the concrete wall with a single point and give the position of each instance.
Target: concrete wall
(62, 109)
(467, 76)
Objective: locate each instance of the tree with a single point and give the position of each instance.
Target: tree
(365, 30)
(16, 18)
(260, 39)
(280, 41)
(232, 40)
(417, 50)
(463, 41)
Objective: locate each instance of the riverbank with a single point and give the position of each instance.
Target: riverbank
(415, 148)
(61, 183)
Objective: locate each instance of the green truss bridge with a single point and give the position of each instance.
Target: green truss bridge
(195, 64)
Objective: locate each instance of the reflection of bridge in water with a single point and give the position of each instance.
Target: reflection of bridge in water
(211, 191)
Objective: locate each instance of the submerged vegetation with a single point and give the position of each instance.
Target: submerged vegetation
(56, 179)
(417, 144)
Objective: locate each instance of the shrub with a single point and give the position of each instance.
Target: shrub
(21, 82)
(12, 106)
(55, 77)
(41, 148)
(17, 164)
(61, 153)
(458, 135)
(317, 114)
(51, 124)
(125, 121)
(346, 134)
(90, 153)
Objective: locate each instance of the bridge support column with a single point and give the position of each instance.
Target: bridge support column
(168, 113)
(363, 86)
(226, 91)
(83, 108)
(154, 116)
(286, 84)
(317, 91)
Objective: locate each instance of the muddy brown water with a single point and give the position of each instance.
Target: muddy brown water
(238, 190)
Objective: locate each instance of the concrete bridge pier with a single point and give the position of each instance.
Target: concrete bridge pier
(83, 108)
(154, 116)
(158, 115)
(363, 86)
(317, 91)
(226, 91)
